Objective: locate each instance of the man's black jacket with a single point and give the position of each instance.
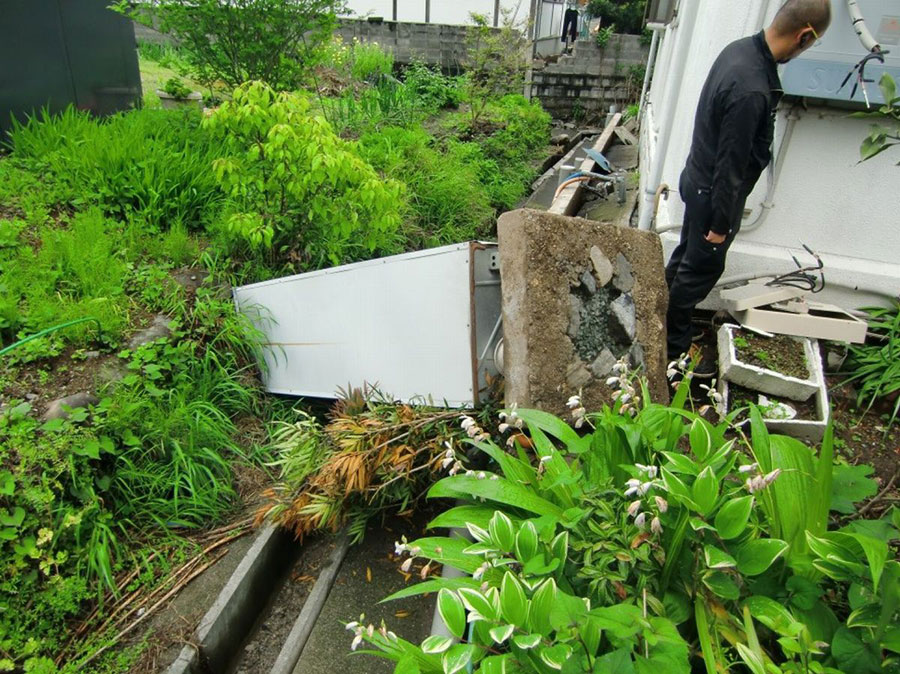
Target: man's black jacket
(734, 127)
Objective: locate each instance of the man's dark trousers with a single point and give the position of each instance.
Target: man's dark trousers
(696, 264)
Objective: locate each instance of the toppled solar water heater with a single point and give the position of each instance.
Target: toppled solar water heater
(419, 327)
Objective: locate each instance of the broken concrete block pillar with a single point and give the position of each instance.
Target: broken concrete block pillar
(577, 296)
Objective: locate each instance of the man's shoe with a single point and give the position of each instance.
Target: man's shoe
(704, 368)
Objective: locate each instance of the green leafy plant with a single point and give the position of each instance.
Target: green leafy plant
(655, 517)
(875, 367)
(296, 189)
(176, 88)
(495, 64)
(234, 42)
(603, 35)
(886, 133)
(433, 89)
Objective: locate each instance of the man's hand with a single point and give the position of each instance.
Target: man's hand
(714, 238)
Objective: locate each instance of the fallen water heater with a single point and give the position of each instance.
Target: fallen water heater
(420, 327)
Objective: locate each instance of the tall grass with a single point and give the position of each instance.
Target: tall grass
(151, 164)
(75, 272)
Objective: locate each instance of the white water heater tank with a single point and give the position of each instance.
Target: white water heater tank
(819, 72)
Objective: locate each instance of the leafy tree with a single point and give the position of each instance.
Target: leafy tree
(295, 189)
(627, 15)
(234, 41)
(495, 65)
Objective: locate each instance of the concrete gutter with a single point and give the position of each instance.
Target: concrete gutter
(312, 607)
(231, 616)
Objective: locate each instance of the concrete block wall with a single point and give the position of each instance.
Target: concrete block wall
(432, 43)
(590, 79)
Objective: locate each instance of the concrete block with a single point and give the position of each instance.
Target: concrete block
(808, 430)
(765, 380)
(543, 258)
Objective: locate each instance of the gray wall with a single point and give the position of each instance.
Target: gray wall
(590, 79)
(584, 83)
(431, 43)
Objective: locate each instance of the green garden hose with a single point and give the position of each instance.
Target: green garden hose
(47, 331)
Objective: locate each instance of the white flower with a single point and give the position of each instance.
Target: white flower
(352, 626)
(479, 572)
(467, 422)
(481, 475)
(633, 508)
(425, 569)
(771, 477)
(633, 486)
(545, 459)
(573, 402)
(612, 381)
(370, 630)
(640, 520)
(495, 477)
(579, 422)
(644, 488)
(470, 473)
(656, 526)
(625, 397)
(399, 548)
(662, 504)
(503, 428)
(416, 551)
(749, 468)
(391, 636)
(357, 640)
(456, 468)
(405, 567)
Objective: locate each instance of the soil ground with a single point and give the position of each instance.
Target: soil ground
(781, 353)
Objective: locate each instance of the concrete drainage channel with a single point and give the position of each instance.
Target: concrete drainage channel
(282, 611)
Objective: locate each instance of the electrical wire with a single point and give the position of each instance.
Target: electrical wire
(810, 278)
(860, 69)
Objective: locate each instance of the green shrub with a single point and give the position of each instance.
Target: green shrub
(652, 540)
(234, 42)
(495, 63)
(447, 202)
(150, 163)
(175, 87)
(875, 366)
(369, 62)
(295, 189)
(434, 90)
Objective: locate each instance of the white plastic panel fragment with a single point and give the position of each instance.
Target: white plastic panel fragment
(401, 323)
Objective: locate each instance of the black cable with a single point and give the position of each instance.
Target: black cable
(805, 278)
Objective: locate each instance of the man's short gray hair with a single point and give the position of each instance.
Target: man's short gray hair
(794, 16)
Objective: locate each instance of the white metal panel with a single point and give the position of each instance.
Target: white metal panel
(402, 323)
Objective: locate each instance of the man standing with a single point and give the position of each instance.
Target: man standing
(733, 132)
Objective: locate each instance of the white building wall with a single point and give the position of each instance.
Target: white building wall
(846, 211)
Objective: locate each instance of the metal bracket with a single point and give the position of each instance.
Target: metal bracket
(495, 262)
